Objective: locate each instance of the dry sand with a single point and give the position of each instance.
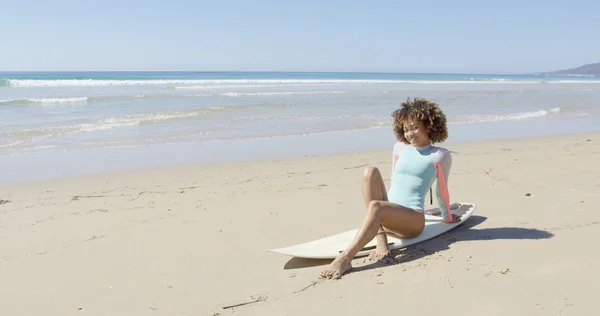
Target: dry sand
(190, 240)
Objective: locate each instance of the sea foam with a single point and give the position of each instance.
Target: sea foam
(505, 117)
(212, 83)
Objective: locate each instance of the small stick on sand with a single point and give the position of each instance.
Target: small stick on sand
(77, 197)
(306, 287)
(256, 300)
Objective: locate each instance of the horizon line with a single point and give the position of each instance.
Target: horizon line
(269, 71)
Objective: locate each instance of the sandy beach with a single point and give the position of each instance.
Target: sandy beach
(191, 240)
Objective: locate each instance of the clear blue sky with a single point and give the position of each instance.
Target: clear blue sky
(309, 35)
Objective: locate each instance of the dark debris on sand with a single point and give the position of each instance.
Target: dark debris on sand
(4, 201)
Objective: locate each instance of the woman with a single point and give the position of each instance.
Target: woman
(416, 163)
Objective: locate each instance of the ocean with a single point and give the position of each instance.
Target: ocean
(57, 124)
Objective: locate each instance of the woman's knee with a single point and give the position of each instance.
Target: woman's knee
(371, 173)
(375, 208)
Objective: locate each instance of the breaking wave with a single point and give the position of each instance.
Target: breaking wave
(47, 101)
(208, 83)
(506, 117)
(84, 100)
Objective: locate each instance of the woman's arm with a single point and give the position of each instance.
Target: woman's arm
(398, 147)
(442, 193)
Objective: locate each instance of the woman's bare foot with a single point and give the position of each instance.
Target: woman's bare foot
(382, 254)
(337, 268)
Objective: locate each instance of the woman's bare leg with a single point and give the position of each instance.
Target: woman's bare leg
(373, 189)
(404, 222)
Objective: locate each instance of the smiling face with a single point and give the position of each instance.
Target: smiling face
(416, 133)
(419, 122)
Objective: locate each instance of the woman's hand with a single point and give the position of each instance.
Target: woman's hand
(455, 219)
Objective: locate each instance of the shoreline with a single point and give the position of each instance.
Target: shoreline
(185, 167)
(39, 166)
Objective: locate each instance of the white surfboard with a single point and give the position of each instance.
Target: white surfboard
(331, 246)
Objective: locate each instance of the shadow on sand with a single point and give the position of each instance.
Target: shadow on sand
(464, 232)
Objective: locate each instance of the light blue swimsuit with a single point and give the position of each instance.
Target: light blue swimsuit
(414, 169)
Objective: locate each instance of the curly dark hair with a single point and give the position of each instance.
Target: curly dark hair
(426, 111)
